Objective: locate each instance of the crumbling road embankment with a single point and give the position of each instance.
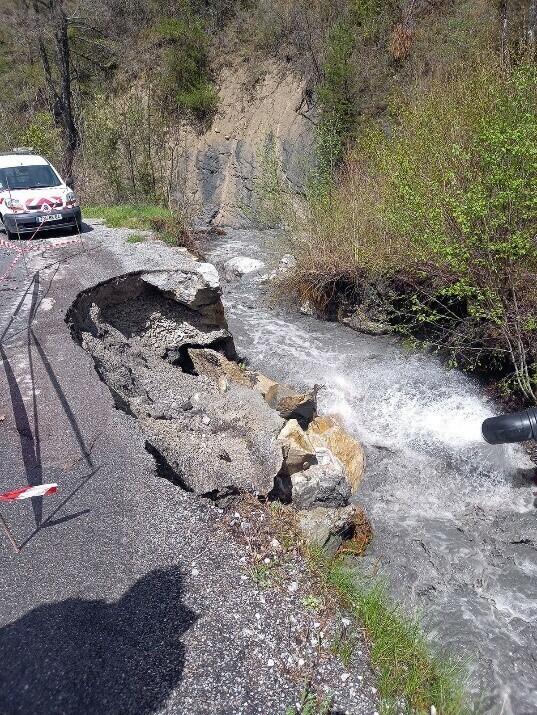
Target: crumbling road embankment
(128, 595)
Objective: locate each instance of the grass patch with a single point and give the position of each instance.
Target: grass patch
(170, 227)
(311, 704)
(139, 216)
(407, 668)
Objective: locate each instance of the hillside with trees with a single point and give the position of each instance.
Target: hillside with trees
(421, 204)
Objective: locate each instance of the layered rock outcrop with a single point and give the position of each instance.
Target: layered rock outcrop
(218, 170)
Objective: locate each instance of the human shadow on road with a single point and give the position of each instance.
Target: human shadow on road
(92, 657)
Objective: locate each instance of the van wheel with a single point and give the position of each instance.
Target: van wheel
(10, 236)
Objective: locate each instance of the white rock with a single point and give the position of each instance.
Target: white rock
(345, 677)
(270, 663)
(287, 262)
(306, 308)
(241, 266)
(209, 272)
(195, 572)
(346, 622)
(293, 587)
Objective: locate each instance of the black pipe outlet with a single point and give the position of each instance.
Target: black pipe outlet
(516, 427)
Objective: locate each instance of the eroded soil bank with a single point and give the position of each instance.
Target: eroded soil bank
(453, 518)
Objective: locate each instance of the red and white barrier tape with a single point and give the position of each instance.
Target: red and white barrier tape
(42, 490)
(10, 267)
(50, 245)
(30, 249)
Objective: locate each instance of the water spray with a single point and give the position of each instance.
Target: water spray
(515, 427)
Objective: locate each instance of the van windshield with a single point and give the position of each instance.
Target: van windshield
(39, 176)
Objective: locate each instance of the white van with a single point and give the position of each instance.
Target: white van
(34, 197)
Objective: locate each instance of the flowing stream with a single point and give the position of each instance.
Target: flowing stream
(454, 518)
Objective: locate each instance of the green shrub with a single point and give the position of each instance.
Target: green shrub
(128, 154)
(442, 210)
(338, 107)
(185, 73)
(41, 135)
(459, 177)
(201, 100)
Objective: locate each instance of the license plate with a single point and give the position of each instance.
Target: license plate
(50, 217)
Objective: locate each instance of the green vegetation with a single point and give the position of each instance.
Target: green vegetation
(442, 212)
(169, 226)
(338, 105)
(413, 674)
(264, 575)
(312, 603)
(186, 76)
(409, 671)
(343, 647)
(128, 216)
(311, 704)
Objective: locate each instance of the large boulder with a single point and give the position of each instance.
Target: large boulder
(360, 321)
(326, 432)
(292, 405)
(330, 529)
(322, 484)
(323, 465)
(298, 450)
(242, 266)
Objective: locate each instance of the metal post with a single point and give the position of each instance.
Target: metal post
(9, 534)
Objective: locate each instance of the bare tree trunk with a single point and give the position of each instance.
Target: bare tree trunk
(503, 32)
(532, 26)
(59, 89)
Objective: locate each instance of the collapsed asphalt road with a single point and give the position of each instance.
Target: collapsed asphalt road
(127, 596)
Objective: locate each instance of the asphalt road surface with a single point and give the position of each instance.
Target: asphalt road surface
(126, 596)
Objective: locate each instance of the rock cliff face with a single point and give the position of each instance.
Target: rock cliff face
(217, 171)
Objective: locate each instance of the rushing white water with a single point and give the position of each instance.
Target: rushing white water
(454, 520)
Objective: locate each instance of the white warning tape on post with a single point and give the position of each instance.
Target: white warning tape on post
(44, 244)
(42, 490)
(11, 267)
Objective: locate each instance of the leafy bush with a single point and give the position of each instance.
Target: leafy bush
(201, 99)
(129, 149)
(459, 179)
(338, 107)
(443, 210)
(186, 76)
(41, 135)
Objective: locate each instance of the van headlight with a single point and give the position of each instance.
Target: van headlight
(14, 204)
(71, 198)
